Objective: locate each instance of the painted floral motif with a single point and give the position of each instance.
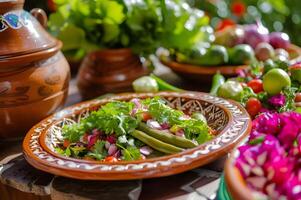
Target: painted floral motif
(15, 20)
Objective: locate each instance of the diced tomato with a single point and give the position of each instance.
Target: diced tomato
(110, 159)
(256, 85)
(85, 137)
(298, 97)
(253, 106)
(66, 143)
(145, 116)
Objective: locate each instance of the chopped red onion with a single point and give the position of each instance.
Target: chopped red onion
(112, 139)
(117, 154)
(165, 126)
(153, 124)
(146, 150)
(107, 145)
(180, 133)
(112, 149)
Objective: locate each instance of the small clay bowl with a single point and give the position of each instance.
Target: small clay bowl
(235, 184)
(228, 118)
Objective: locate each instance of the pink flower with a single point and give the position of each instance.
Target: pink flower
(267, 123)
(277, 100)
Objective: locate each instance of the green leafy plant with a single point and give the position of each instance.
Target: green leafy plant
(142, 25)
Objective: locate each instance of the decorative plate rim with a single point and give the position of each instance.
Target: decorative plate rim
(237, 128)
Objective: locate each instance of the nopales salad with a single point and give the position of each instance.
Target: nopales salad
(133, 130)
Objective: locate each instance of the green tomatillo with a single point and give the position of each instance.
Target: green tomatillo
(145, 84)
(230, 90)
(275, 80)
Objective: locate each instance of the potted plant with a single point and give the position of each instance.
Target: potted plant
(111, 35)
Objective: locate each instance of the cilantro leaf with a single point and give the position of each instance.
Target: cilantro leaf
(99, 152)
(130, 153)
(114, 117)
(289, 93)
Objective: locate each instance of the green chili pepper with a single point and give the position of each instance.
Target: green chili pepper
(155, 143)
(164, 86)
(167, 137)
(217, 81)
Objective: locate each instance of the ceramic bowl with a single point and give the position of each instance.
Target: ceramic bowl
(109, 71)
(205, 73)
(229, 118)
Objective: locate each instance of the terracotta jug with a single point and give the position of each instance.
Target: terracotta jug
(34, 75)
(109, 71)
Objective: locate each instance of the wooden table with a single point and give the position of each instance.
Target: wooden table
(21, 181)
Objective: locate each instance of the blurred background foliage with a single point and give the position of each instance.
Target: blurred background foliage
(277, 15)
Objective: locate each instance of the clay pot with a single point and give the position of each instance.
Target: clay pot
(34, 75)
(109, 71)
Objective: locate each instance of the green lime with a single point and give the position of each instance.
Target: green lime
(241, 54)
(215, 55)
(275, 80)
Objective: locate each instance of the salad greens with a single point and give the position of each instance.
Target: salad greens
(119, 130)
(142, 25)
(193, 128)
(111, 118)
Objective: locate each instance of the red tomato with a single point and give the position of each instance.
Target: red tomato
(110, 159)
(256, 85)
(224, 23)
(238, 8)
(253, 106)
(295, 66)
(66, 143)
(51, 5)
(298, 97)
(145, 116)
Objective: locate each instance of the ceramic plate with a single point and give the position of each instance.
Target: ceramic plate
(205, 73)
(230, 120)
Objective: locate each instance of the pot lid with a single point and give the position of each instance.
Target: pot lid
(20, 32)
